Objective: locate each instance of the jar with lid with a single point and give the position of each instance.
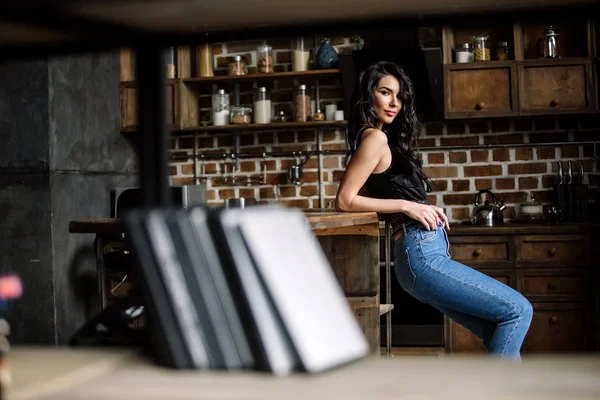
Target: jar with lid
(318, 115)
(264, 55)
(302, 104)
(205, 60)
(280, 117)
(481, 48)
(464, 53)
(220, 108)
(170, 63)
(241, 115)
(262, 106)
(502, 53)
(300, 56)
(237, 66)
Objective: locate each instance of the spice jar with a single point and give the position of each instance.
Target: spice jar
(280, 117)
(302, 104)
(318, 116)
(237, 66)
(170, 62)
(264, 54)
(262, 106)
(481, 49)
(240, 115)
(502, 53)
(464, 53)
(220, 108)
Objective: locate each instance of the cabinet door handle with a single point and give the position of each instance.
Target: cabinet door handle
(477, 253)
(554, 320)
(480, 105)
(552, 252)
(551, 286)
(553, 103)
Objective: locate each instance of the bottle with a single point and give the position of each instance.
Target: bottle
(276, 193)
(262, 106)
(264, 55)
(170, 63)
(502, 53)
(302, 104)
(220, 108)
(300, 56)
(205, 61)
(464, 53)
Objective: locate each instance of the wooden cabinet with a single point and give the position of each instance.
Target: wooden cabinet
(562, 86)
(480, 89)
(130, 105)
(553, 267)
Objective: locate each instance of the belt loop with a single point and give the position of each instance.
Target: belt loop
(404, 227)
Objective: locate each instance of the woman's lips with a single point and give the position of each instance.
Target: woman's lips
(390, 113)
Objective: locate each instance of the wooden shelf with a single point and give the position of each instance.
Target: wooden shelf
(252, 77)
(265, 127)
(385, 308)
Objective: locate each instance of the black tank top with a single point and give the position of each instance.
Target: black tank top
(396, 183)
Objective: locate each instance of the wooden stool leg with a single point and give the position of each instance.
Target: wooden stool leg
(388, 289)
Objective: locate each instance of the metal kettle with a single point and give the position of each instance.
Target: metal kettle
(487, 214)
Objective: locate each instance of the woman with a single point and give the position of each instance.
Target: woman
(382, 133)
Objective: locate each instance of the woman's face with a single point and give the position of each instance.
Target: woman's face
(386, 102)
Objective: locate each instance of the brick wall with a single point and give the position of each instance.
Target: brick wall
(511, 173)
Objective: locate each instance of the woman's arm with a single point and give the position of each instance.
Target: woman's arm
(373, 151)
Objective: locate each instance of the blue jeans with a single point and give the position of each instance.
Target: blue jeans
(493, 311)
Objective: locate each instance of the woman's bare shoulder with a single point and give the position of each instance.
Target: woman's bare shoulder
(374, 137)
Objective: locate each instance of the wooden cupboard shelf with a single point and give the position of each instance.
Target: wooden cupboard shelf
(253, 77)
(265, 127)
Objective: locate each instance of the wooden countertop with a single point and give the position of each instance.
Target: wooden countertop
(320, 219)
(517, 228)
(68, 374)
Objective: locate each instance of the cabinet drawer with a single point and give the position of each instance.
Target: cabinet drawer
(558, 327)
(496, 251)
(555, 284)
(475, 90)
(565, 251)
(556, 86)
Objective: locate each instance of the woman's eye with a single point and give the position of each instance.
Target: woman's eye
(384, 93)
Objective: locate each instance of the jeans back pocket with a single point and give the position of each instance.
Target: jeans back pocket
(404, 272)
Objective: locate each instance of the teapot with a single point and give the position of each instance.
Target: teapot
(487, 214)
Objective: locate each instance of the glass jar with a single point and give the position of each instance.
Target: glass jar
(302, 104)
(280, 117)
(170, 63)
(502, 53)
(464, 53)
(205, 60)
(264, 56)
(220, 108)
(241, 115)
(300, 56)
(318, 116)
(481, 48)
(262, 106)
(237, 66)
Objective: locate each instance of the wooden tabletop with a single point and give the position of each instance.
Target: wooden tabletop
(318, 218)
(50, 373)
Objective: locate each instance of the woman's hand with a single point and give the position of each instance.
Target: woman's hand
(429, 216)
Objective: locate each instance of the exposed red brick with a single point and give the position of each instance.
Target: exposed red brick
(515, 138)
(331, 189)
(264, 138)
(298, 203)
(187, 169)
(480, 155)
(501, 155)
(528, 168)
(225, 141)
(248, 193)
(459, 141)
(500, 125)
(306, 136)
(331, 162)
(483, 170)
(441, 185)
(426, 142)
(550, 180)
(434, 128)
(505, 183)
(545, 124)
(478, 127)
(455, 128)
(310, 177)
(432, 199)
(186, 142)
(247, 166)
(285, 137)
(546, 153)
(511, 197)
(337, 176)
(481, 184)
(329, 136)
(523, 154)
(461, 213)
(209, 168)
(441, 172)
(287, 191)
(211, 194)
(270, 164)
(548, 137)
(458, 199)
(568, 122)
(523, 124)
(569, 152)
(461, 185)
(308, 190)
(331, 93)
(226, 194)
(435, 158)
(509, 212)
(334, 146)
(172, 170)
(283, 57)
(528, 182)
(458, 157)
